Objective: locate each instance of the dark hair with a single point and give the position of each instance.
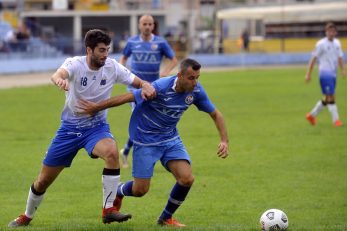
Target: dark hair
(330, 25)
(95, 36)
(186, 63)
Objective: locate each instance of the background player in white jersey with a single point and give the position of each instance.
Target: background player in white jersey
(147, 52)
(329, 53)
(89, 77)
(153, 130)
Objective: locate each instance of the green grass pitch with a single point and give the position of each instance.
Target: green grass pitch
(277, 160)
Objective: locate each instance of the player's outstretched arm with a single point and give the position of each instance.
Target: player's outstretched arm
(59, 78)
(148, 91)
(223, 147)
(87, 107)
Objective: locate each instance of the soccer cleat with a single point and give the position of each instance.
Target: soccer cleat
(117, 203)
(124, 159)
(22, 220)
(338, 123)
(311, 119)
(170, 222)
(111, 214)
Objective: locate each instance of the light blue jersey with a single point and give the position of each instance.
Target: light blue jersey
(147, 56)
(154, 122)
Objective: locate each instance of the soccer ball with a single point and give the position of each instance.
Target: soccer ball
(273, 219)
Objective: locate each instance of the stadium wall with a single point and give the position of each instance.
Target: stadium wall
(287, 45)
(30, 65)
(251, 59)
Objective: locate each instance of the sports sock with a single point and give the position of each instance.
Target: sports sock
(125, 189)
(33, 201)
(128, 146)
(317, 108)
(110, 180)
(333, 111)
(177, 196)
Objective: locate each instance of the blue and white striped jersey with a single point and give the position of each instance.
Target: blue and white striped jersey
(154, 121)
(147, 56)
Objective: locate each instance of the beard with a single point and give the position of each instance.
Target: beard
(96, 62)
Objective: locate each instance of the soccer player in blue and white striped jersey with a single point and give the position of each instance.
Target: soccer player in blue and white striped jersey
(153, 130)
(147, 52)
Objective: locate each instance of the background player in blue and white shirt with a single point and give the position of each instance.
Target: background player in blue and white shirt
(329, 54)
(153, 130)
(147, 52)
(89, 77)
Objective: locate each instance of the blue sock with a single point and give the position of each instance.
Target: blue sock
(128, 146)
(177, 196)
(125, 189)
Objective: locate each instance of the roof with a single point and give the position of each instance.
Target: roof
(289, 13)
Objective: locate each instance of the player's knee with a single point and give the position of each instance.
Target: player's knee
(111, 154)
(139, 192)
(186, 180)
(140, 189)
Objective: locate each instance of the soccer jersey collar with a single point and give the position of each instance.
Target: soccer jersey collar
(330, 41)
(152, 38)
(174, 85)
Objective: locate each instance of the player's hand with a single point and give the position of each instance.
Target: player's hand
(87, 107)
(307, 78)
(148, 91)
(63, 84)
(343, 74)
(223, 150)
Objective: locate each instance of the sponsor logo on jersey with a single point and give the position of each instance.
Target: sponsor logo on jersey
(146, 57)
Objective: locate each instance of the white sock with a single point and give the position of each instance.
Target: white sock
(110, 185)
(333, 111)
(318, 108)
(33, 203)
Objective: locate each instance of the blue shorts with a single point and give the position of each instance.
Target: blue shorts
(145, 157)
(69, 140)
(328, 85)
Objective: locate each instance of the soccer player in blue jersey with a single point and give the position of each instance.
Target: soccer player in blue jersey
(89, 77)
(153, 131)
(329, 53)
(147, 52)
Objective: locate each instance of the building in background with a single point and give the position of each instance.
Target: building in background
(64, 22)
(280, 26)
(194, 26)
